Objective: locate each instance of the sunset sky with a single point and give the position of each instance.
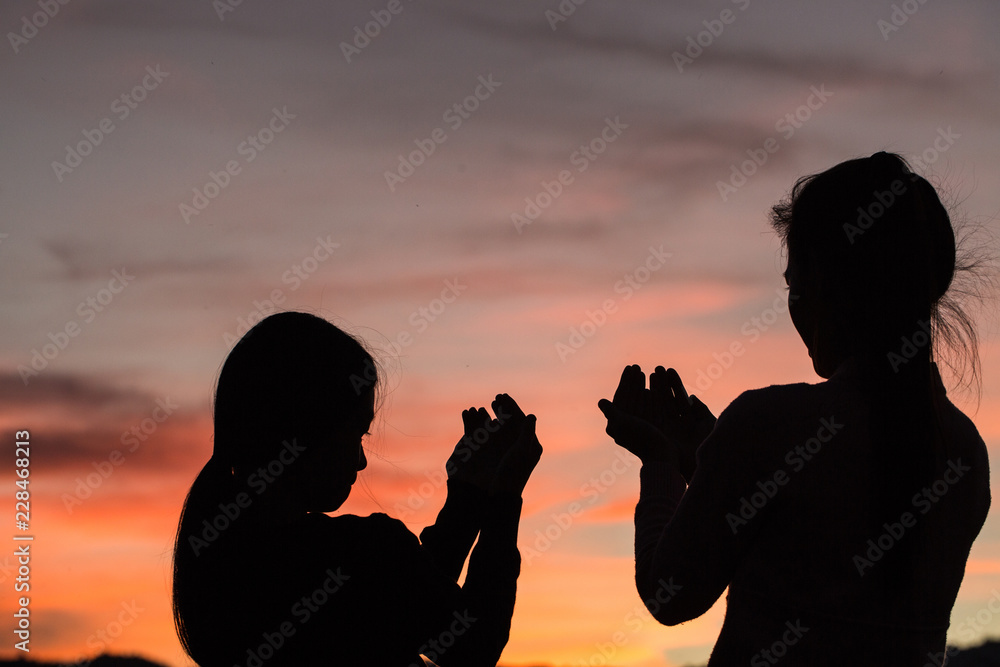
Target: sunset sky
(497, 197)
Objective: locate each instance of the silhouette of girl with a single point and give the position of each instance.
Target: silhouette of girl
(839, 514)
(262, 577)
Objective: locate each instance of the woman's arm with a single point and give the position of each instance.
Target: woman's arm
(685, 551)
(689, 540)
(735, 489)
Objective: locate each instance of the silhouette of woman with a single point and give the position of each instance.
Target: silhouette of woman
(263, 578)
(839, 514)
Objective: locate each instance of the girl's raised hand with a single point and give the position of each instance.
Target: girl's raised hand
(496, 454)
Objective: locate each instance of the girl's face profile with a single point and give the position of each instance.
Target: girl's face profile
(330, 470)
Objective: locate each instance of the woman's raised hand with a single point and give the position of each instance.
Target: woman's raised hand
(658, 423)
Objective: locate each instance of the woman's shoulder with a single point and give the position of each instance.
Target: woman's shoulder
(775, 404)
(966, 447)
(756, 428)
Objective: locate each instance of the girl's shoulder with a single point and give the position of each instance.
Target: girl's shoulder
(377, 528)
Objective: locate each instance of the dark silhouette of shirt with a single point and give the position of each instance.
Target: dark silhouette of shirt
(783, 509)
(350, 590)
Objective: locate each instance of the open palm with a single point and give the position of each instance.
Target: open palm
(658, 423)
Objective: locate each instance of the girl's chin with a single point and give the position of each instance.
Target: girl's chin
(335, 499)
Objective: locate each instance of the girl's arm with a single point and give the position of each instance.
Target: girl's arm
(487, 474)
(479, 627)
(491, 584)
(448, 541)
(472, 471)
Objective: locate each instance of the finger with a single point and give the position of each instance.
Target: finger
(611, 413)
(614, 416)
(507, 409)
(626, 383)
(659, 389)
(604, 405)
(607, 408)
(658, 378)
(630, 396)
(622, 384)
(529, 449)
(483, 419)
(642, 400)
(617, 426)
(531, 438)
(469, 419)
(677, 390)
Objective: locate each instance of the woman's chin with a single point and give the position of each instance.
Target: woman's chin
(822, 370)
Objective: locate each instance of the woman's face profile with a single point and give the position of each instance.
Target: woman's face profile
(805, 311)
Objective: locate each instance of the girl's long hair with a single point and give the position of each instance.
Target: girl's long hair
(291, 377)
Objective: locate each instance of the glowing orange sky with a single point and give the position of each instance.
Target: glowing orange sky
(525, 294)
